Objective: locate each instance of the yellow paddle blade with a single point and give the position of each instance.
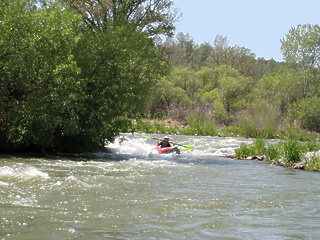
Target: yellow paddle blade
(188, 147)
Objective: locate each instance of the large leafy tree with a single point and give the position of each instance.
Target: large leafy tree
(38, 72)
(301, 45)
(151, 16)
(239, 58)
(68, 87)
(281, 88)
(227, 93)
(301, 48)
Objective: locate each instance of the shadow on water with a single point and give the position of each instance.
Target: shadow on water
(118, 157)
(180, 159)
(80, 157)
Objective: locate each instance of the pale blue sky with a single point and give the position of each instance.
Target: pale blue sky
(254, 24)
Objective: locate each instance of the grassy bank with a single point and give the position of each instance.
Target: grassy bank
(288, 153)
(197, 125)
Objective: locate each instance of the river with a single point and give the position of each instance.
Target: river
(127, 194)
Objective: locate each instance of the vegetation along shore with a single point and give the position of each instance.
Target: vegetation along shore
(290, 153)
(303, 153)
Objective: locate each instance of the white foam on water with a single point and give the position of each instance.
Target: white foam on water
(24, 173)
(130, 145)
(4, 183)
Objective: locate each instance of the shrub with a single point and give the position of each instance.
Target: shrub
(313, 164)
(259, 147)
(199, 124)
(260, 120)
(307, 112)
(292, 151)
(290, 131)
(144, 126)
(244, 151)
(273, 152)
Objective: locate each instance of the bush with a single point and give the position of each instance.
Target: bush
(144, 126)
(200, 125)
(307, 112)
(290, 131)
(260, 120)
(257, 148)
(273, 153)
(313, 164)
(244, 151)
(292, 151)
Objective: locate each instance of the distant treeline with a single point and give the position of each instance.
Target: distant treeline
(250, 96)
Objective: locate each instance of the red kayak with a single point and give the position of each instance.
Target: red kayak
(167, 150)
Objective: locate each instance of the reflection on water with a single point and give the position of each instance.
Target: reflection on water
(126, 195)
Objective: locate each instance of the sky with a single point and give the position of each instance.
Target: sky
(253, 24)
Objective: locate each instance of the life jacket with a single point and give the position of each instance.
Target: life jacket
(164, 144)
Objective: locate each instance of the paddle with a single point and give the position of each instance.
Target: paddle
(185, 146)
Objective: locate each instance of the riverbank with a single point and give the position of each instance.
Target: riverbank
(200, 127)
(290, 153)
(298, 149)
(280, 162)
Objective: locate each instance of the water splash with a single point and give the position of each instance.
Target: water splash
(22, 174)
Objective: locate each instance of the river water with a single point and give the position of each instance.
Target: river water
(129, 194)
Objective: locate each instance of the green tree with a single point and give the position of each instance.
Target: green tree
(229, 95)
(186, 44)
(208, 80)
(170, 101)
(239, 58)
(179, 50)
(267, 67)
(186, 79)
(174, 93)
(201, 54)
(151, 16)
(38, 72)
(67, 87)
(301, 47)
(281, 88)
(307, 113)
(260, 119)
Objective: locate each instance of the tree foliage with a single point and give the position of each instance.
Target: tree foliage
(281, 88)
(307, 112)
(239, 58)
(151, 16)
(65, 86)
(228, 94)
(301, 45)
(228, 84)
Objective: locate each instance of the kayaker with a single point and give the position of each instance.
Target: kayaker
(164, 142)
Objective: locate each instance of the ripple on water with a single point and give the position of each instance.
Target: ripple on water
(22, 173)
